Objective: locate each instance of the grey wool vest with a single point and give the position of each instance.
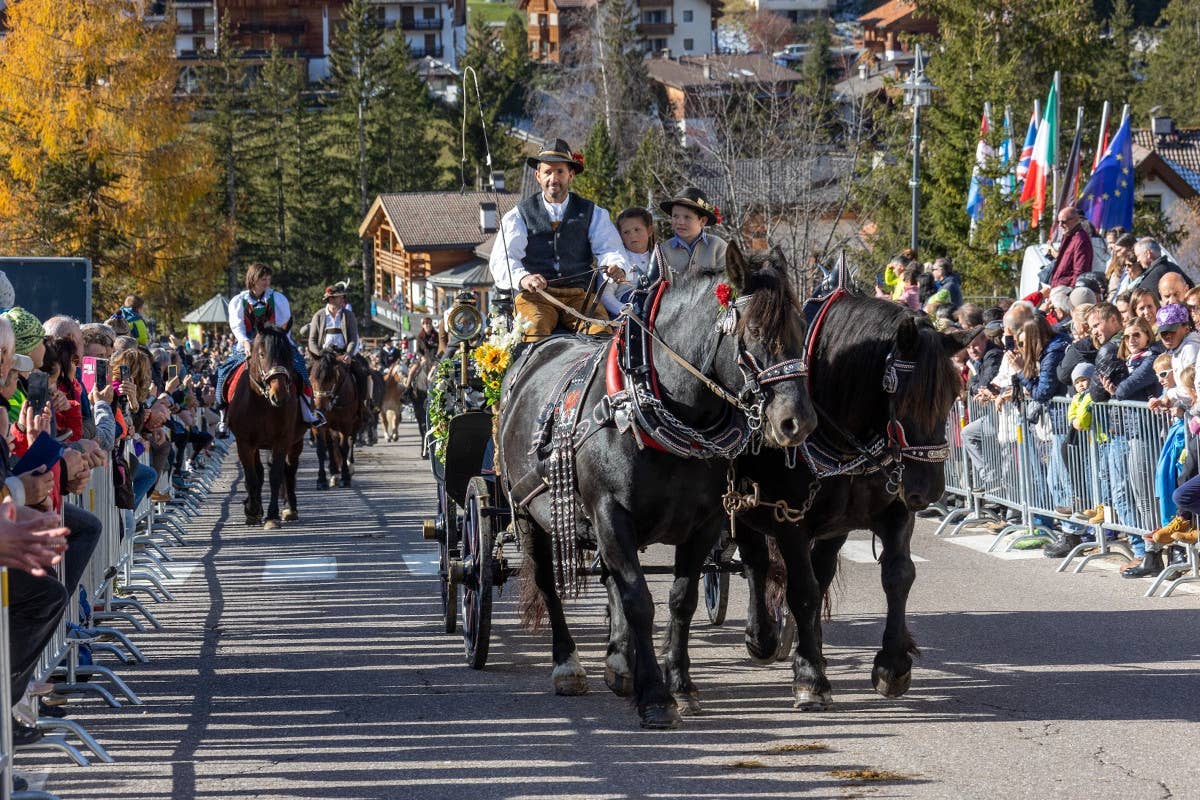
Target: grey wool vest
(565, 252)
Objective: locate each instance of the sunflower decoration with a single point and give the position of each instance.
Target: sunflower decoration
(495, 354)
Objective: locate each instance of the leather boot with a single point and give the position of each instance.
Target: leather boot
(1063, 544)
(1151, 566)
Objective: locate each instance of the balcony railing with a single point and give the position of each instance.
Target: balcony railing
(655, 3)
(433, 52)
(293, 26)
(434, 24)
(206, 29)
(656, 28)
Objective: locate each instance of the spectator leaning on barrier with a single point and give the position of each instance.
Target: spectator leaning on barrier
(1079, 413)
(1174, 329)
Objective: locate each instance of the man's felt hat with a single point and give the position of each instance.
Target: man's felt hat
(692, 198)
(558, 152)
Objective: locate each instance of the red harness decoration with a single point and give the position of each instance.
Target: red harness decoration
(810, 346)
(614, 379)
(238, 374)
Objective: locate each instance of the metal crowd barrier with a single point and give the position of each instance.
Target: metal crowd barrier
(1022, 466)
(128, 559)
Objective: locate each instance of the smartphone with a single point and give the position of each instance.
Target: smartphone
(172, 372)
(1010, 343)
(123, 371)
(37, 391)
(94, 372)
(101, 372)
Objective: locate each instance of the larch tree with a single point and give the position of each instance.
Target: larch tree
(97, 158)
(1172, 69)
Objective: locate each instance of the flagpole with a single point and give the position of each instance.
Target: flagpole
(1054, 170)
(1103, 134)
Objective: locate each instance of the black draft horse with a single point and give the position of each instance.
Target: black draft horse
(882, 381)
(264, 414)
(632, 495)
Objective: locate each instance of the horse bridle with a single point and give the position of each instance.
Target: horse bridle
(264, 376)
(319, 394)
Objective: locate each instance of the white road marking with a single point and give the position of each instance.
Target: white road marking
(300, 569)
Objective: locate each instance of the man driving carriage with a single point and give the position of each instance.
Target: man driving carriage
(335, 329)
(548, 245)
(259, 305)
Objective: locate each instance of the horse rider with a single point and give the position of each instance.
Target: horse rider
(335, 328)
(548, 244)
(259, 304)
(390, 352)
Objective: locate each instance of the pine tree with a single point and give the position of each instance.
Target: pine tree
(96, 155)
(653, 173)
(1172, 69)
(599, 181)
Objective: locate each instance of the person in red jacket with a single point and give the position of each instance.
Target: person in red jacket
(1075, 252)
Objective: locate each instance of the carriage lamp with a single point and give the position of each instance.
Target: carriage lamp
(463, 320)
(918, 92)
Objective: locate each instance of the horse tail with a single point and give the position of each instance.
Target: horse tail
(531, 606)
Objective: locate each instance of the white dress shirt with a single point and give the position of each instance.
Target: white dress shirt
(237, 315)
(602, 234)
(335, 330)
(614, 295)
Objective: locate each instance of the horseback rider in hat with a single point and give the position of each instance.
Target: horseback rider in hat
(690, 212)
(548, 244)
(390, 352)
(335, 328)
(257, 305)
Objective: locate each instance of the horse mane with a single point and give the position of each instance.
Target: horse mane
(858, 334)
(277, 350)
(771, 303)
(323, 365)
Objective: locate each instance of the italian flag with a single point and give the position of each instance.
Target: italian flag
(1043, 158)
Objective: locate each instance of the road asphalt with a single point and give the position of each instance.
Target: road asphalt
(308, 662)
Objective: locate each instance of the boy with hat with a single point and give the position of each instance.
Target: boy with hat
(691, 246)
(548, 244)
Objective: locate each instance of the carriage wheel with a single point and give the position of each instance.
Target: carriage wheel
(478, 533)
(716, 594)
(785, 627)
(446, 543)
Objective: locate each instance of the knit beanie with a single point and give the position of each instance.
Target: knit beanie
(8, 295)
(27, 329)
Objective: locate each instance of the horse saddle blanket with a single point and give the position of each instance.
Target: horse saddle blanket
(239, 374)
(560, 418)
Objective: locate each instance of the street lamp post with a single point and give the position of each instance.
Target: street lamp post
(918, 92)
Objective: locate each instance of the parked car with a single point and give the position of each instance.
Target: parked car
(790, 54)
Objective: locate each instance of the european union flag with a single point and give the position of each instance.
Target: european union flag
(1107, 200)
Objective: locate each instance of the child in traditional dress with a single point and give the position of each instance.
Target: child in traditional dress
(692, 246)
(636, 227)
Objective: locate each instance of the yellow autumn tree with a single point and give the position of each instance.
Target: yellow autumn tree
(97, 155)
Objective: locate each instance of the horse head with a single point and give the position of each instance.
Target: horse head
(327, 374)
(926, 383)
(771, 352)
(271, 366)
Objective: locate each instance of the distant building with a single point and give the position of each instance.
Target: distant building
(795, 10)
(560, 29)
(691, 83)
(888, 29)
(1167, 162)
(427, 246)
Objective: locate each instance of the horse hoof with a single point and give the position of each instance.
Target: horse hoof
(291, 516)
(659, 718)
(333, 483)
(271, 525)
(322, 485)
(620, 684)
(569, 677)
(253, 522)
(808, 700)
(888, 684)
(688, 702)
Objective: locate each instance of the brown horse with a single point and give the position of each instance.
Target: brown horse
(336, 396)
(393, 400)
(264, 414)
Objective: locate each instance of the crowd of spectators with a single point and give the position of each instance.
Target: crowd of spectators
(1130, 334)
(83, 397)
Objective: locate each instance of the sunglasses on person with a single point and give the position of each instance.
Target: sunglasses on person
(1162, 376)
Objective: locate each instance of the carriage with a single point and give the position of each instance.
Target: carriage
(478, 550)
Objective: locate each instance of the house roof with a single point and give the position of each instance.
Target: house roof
(434, 220)
(1179, 150)
(888, 14)
(469, 275)
(215, 311)
(722, 69)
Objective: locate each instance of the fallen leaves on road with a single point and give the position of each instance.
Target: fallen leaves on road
(798, 747)
(869, 775)
(749, 763)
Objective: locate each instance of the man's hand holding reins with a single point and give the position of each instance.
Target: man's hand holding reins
(533, 283)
